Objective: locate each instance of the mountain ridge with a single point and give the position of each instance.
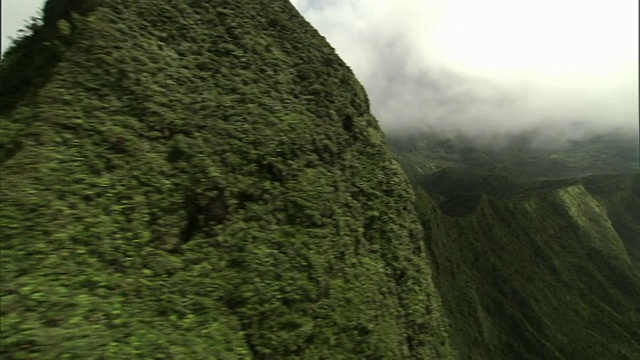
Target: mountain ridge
(201, 178)
(541, 269)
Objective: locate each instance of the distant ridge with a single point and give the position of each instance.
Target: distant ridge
(528, 266)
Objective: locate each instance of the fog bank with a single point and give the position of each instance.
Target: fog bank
(490, 67)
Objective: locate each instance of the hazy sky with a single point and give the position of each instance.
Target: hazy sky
(490, 65)
(476, 65)
(15, 14)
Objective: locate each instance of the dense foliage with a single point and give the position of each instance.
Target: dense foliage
(201, 179)
(540, 276)
(204, 179)
(528, 267)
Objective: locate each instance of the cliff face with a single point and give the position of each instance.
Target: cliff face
(548, 273)
(201, 179)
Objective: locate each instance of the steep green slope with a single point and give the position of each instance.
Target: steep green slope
(621, 197)
(545, 274)
(201, 179)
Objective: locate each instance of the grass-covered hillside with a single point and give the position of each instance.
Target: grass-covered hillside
(531, 261)
(536, 269)
(201, 180)
(620, 196)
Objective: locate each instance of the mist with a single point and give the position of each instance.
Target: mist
(496, 67)
(477, 68)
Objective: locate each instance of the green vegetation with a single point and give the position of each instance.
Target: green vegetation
(201, 179)
(620, 195)
(204, 180)
(530, 267)
(542, 276)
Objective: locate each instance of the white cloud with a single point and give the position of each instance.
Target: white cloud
(491, 65)
(480, 66)
(15, 14)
